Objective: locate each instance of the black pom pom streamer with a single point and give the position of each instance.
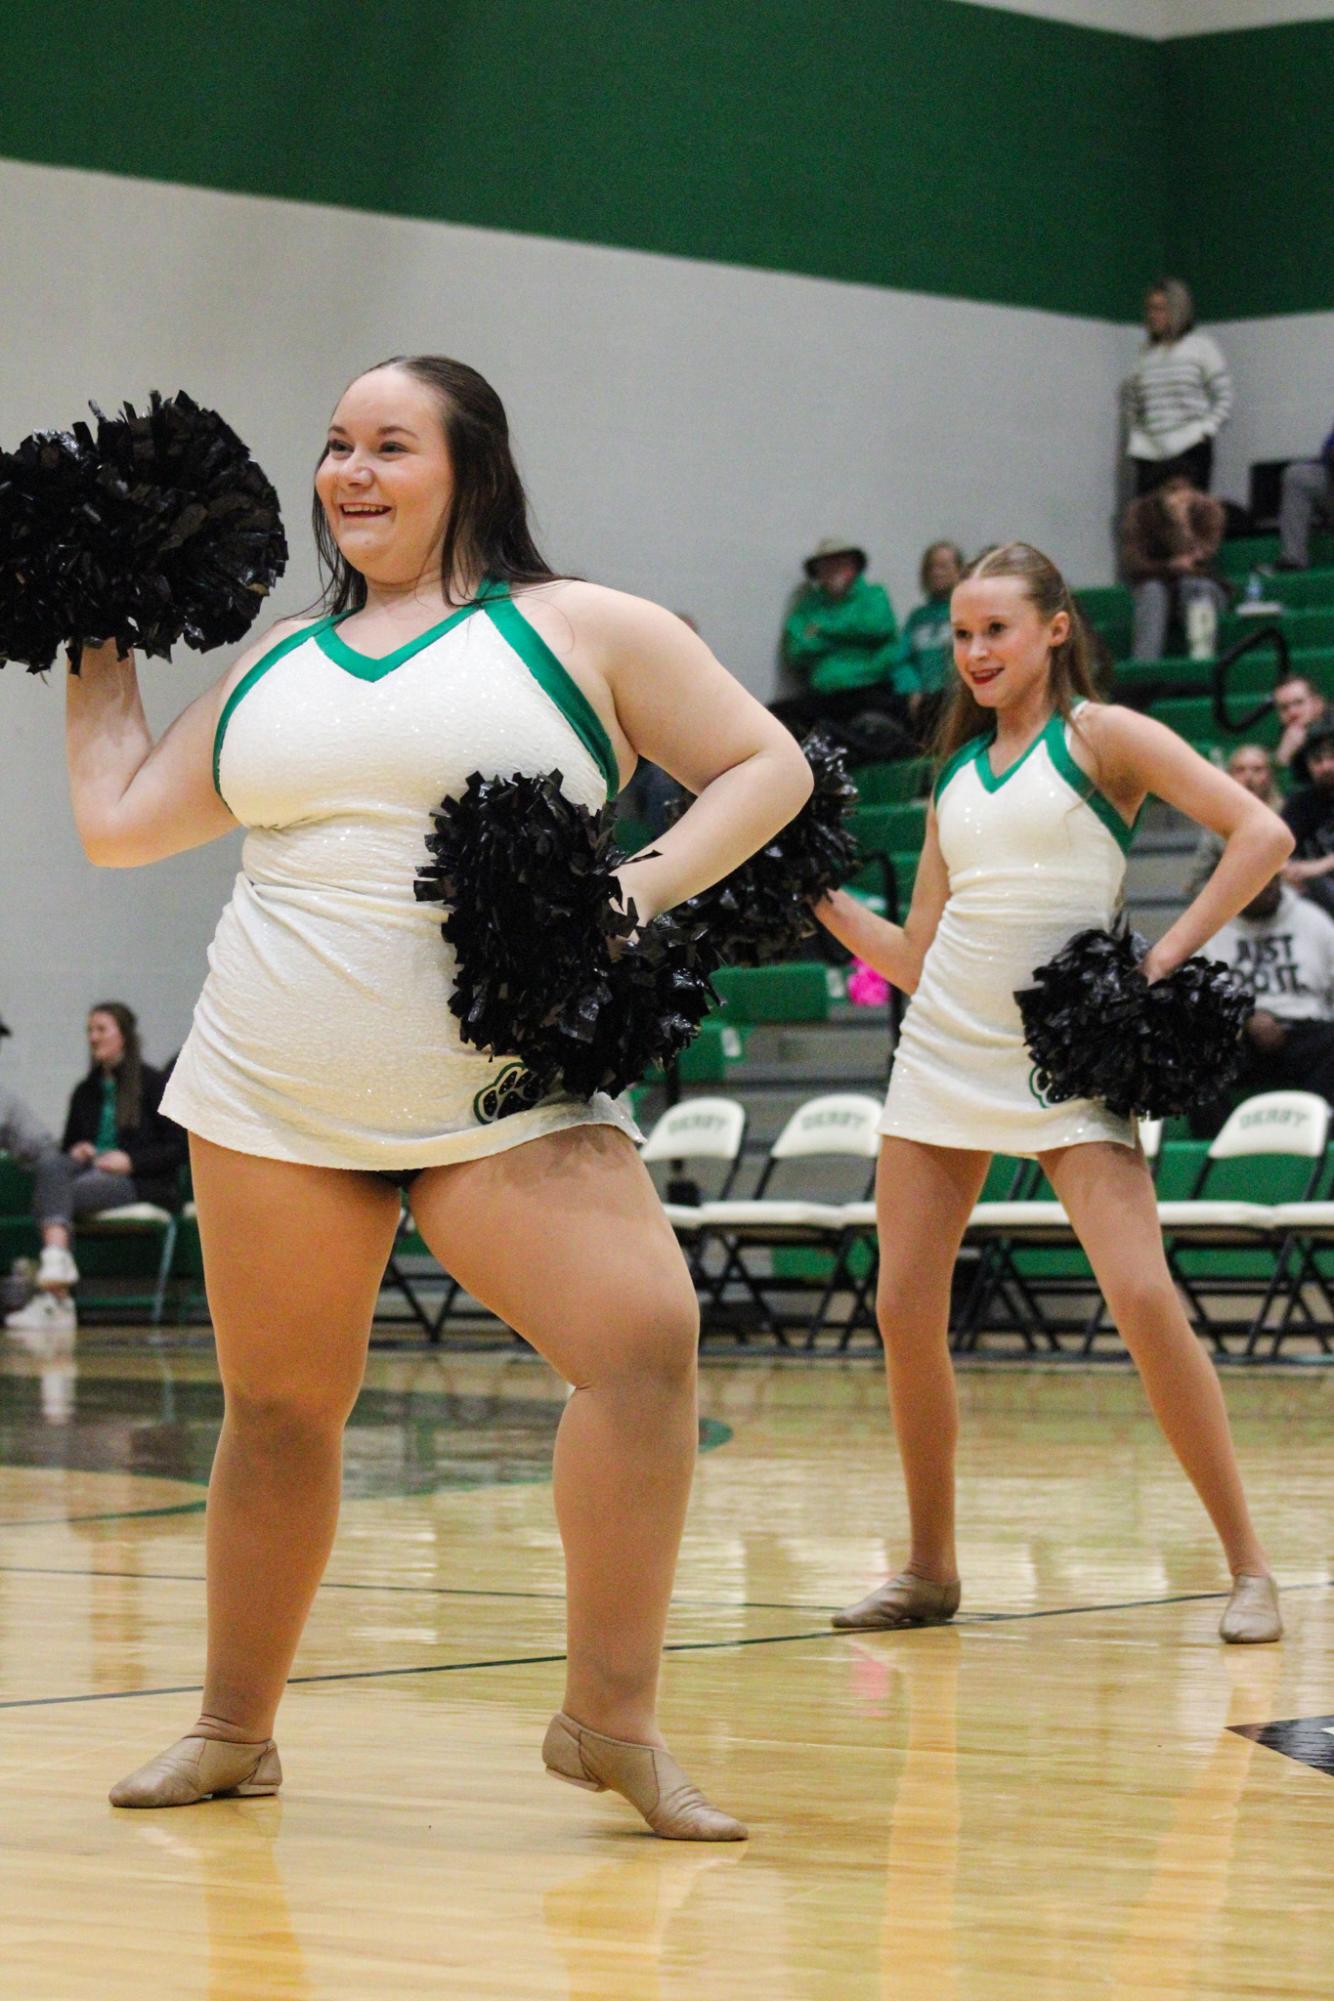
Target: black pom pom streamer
(154, 528)
(762, 910)
(1095, 1028)
(545, 969)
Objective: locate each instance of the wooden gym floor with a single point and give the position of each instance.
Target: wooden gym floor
(1054, 1798)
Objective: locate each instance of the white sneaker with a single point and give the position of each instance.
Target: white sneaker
(45, 1313)
(57, 1266)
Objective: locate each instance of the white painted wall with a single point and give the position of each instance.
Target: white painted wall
(687, 430)
(1166, 20)
(1284, 372)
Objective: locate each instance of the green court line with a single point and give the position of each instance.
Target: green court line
(673, 1647)
(120, 1515)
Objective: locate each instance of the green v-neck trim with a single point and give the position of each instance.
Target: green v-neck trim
(555, 680)
(331, 642)
(1121, 831)
(989, 778)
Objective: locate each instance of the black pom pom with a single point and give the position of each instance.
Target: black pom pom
(762, 910)
(544, 969)
(157, 528)
(1095, 1028)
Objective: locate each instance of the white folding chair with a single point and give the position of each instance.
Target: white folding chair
(697, 1129)
(839, 1123)
(998, 1229)
(1291, 1125)
(134, 1219)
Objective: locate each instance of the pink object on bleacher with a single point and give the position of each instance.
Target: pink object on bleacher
(866, 987)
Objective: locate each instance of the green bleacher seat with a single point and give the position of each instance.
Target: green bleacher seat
(1105, 604)
(882, 829)
(1304, 627)
(1301, 588)
(1193, 717)
(1247, 552)
(891, 784)
(798, 991)
(18, 1232)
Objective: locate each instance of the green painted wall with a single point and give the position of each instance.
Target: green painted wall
(913, 143)
(1250, 145)
(920, 144)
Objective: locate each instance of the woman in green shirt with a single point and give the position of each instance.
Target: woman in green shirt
(924, 659)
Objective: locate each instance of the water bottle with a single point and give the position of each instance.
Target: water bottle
(1255, 588)
(1201, 625)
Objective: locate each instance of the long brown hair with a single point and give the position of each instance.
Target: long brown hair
(486, 531)
(1071, 663)
(130, 1069)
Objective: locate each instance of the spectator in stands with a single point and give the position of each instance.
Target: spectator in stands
(1284, 945)
(1300, 706)
(1179, 396)
(25, 1138)
(1169, 539)
(1251, 765)
(1310, 814)
(1308, 493)
(924, 666)
(840, 639)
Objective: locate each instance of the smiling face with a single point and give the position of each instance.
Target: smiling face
(106, 1044)
(385, 481)
(1002, 643)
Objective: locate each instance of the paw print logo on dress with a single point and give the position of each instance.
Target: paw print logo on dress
(1037, 1089)
(514, 1090)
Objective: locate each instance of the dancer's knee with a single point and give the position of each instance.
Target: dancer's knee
(653, 1341)
(288, 1413)
(911, 1307)
(1142, 1303)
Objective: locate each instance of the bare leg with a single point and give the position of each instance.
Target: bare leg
(566, 1240)
(1108, 1195)
(924, 1196)
(293, 1258)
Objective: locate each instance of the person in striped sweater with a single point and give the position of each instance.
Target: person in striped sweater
(1179, 396)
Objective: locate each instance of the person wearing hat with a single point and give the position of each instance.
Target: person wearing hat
(26, 1140)
(840, 640)
(1310, 814)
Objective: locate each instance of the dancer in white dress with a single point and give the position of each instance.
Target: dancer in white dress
(1026, 838)
(324, 1063)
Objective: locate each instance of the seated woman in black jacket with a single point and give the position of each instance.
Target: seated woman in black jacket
(122, 1148)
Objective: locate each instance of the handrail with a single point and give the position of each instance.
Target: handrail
(1223, 666)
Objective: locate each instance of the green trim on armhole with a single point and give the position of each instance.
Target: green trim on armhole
(248, 680)
(964, 755)
(1079, 782)
(555, 681)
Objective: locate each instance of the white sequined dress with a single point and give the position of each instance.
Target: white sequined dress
(1033, 856)
(323, 1033)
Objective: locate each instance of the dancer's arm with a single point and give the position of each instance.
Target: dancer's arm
(895, 950)
(1136, 756)
(134, 800)
(671, 701)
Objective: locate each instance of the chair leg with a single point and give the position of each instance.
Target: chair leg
(164, 1271)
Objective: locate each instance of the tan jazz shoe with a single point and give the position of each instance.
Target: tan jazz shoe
(650, 1779)
(904, 1601)
(200, 1768)
(1252, 1616)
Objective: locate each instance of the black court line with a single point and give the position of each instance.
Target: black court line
(673, 1647)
